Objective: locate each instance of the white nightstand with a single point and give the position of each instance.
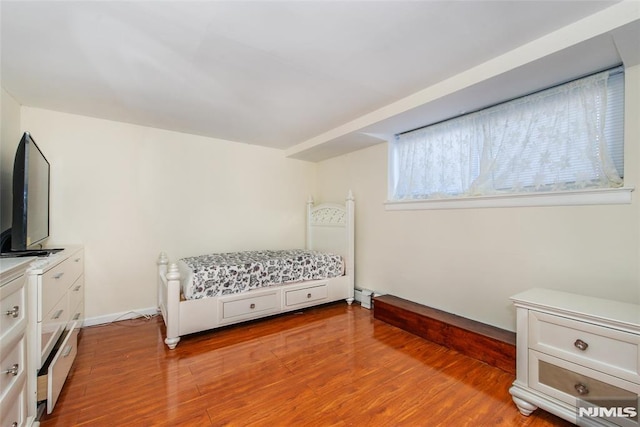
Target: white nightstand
(572, 350)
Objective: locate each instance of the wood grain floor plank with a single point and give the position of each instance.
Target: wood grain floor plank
(327, 366)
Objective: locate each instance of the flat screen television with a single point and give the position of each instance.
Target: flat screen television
(30, 216)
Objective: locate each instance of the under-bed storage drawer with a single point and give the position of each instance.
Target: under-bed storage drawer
(251, 306)
(53, 375)
(312, 294)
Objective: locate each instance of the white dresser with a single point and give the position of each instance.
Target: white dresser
(13, 343)
(577, 352)
(56, 293)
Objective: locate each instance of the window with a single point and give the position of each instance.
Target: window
(566, 138)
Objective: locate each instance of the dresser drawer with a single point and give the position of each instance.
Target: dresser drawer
(251, 306)
(75, 265)
(12, 364)
(52, 379)
(311, 294)
(569, 382)
(58, 280)
(51, 328)
(75, 295)
(12, 308)
(13, 406)
(597, 347)
(76, 318)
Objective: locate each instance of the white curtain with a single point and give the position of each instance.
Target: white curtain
(549, 141)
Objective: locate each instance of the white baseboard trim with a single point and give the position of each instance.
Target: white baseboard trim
(125, 315)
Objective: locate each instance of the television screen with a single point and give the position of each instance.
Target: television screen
(30, 224)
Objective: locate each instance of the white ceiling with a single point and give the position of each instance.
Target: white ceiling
(272, 73)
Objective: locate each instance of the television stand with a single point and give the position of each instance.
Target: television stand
(30, 252)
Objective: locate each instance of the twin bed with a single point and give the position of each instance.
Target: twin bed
(209, 291)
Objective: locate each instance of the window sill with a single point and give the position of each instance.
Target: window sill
(600, 196)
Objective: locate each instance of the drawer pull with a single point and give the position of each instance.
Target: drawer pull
(77, 260)
(309, 295)
(58, 314)
(14, 312)
(14, 424)
(76, 316)
(581, 345)
(67, 351)
(13, 370)
(77, 288)
(252, 306)
(581, 389)
(59, 275)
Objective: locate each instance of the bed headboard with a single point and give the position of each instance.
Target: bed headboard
(330, 228)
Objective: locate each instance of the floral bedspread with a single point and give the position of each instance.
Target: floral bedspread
(235, 272)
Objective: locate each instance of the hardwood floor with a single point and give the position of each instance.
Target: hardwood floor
(328, 366)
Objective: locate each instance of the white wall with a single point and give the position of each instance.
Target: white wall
(469, 261)
(9, 139)
(128, 192)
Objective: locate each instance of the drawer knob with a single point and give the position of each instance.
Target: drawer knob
(252, 306)
(58, 276)
(581, 345)
(14, 424)
(13, 370)
(581, 389)
(309, 295)
(14, 312)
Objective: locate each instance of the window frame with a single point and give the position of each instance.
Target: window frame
(593, 196)
(588, 196)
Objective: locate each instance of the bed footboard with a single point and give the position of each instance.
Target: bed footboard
(169, 299)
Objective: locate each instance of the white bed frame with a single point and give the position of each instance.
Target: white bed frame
(330, 228)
